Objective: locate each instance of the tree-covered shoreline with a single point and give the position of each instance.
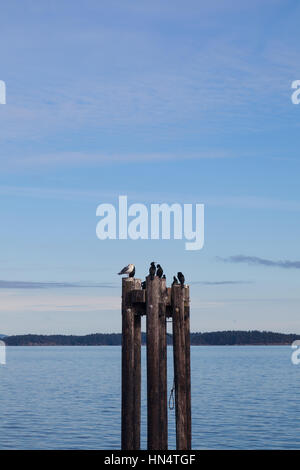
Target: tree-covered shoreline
(215, 338)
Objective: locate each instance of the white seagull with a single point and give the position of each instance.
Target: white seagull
(130, 270)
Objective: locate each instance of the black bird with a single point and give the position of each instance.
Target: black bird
(159, 271)
(175, 281)
(144, 285)
(181, 278)
(152, 270)
(132, 273)
(164, 276)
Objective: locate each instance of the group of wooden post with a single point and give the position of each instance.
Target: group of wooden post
(158, 303)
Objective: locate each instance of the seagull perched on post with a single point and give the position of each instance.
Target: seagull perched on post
(132, 272)
(152, 270)
(129, 269)
(181, 278)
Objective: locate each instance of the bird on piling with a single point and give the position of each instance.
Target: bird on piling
(152, 270)
(181, 278)
(132, 272)
(129, 269)
(164, 277)
(159, 271)
(175, 281)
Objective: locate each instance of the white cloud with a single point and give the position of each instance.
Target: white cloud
(140, 80)
(246, 202)
(15, 302)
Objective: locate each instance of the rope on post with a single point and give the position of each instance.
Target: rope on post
(172, 397)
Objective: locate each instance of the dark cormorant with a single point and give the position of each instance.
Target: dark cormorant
(152, 270)
(181, 278)
(159, 271)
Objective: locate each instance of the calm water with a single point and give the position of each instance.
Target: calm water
(69, 398)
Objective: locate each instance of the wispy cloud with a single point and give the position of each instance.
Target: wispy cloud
(93, 159)
(256, 261)
(50, 285)
(47, 302)
(234, 202)
(220, 283)
(192, 76)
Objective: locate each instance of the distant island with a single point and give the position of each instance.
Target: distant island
(215, 338)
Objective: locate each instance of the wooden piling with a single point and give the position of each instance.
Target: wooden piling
(130, 367)
(179, 352)
(188, 365)
(153, 350)
(137, 380)
(163, 391)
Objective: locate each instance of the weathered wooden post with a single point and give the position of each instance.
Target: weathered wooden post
(163, 387)
(152, 321)
(131, 367)
(137, 380)
(181, 355)
(188, 365)
(156, 300)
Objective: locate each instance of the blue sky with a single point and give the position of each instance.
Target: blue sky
(186, 102)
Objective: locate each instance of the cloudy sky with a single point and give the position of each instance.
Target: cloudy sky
(186, 102)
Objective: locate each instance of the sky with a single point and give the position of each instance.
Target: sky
(186, 102)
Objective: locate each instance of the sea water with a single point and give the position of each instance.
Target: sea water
(243, 397)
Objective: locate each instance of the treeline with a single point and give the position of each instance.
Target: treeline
(216, 338)
(96, 339)
(231, 338)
